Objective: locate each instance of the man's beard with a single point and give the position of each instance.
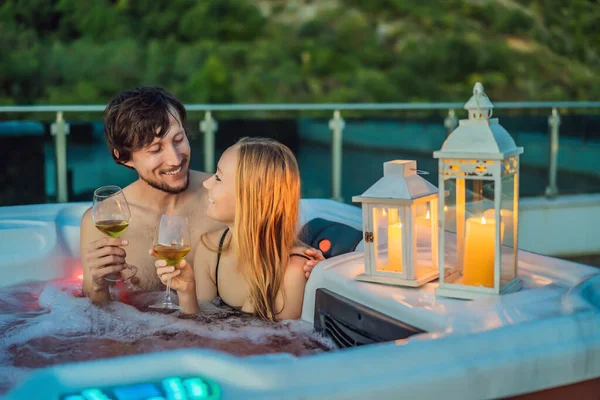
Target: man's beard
(166, 188)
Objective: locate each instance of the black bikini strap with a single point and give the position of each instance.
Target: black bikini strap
(219, 258)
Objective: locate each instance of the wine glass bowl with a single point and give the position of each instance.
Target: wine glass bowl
(110, 211)
(111, 216)
(172, 244)
(171, 254)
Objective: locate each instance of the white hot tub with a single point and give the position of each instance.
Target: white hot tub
(545, 336)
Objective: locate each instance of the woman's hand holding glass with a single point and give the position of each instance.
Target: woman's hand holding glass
(171, 245)
(181, 275)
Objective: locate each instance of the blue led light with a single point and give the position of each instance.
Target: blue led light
(174, 388)
(94, 394)
(141, 391)
(197, 389)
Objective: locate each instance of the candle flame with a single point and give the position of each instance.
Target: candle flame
(483, 220)
(383, 212)
(445, 208)
(428, 215)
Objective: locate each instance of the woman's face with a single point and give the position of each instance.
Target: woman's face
(221, 188)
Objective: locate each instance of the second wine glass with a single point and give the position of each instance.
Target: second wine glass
(111, 216)
(172, 243)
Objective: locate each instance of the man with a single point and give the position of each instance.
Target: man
(145, 131)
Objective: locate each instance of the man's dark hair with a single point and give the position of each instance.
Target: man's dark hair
(133, 118)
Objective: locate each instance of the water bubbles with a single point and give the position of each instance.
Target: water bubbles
(44, 324)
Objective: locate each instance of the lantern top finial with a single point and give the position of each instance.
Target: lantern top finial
(478, 89)
(479, 137)
(479, 105)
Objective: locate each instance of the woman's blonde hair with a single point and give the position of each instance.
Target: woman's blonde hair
(267, 188)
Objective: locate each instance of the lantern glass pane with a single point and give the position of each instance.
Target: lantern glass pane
(450, 213)
(509, 221)
(388, 238)
(426, 233)
(470, 215)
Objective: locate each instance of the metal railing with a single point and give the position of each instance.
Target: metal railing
(208, 126)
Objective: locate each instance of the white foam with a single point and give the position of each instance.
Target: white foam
(61, 314)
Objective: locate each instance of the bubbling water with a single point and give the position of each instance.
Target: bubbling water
(49, 323)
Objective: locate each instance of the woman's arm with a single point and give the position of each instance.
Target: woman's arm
(292, 294)
(206, 288)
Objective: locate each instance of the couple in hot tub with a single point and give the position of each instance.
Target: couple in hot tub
(243, 219)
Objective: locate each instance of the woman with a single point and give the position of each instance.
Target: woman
(255, 263)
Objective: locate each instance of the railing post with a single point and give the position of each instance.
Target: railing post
(60, 130)
(450, 122)
(554, 123)
(209, 126)
(336, 124)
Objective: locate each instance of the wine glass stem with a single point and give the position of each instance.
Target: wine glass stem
(168, 295)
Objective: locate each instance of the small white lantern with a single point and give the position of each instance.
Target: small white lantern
(400, 227)
(479, 173)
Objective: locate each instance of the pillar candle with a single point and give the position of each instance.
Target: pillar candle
(478, 267)
(395, 247)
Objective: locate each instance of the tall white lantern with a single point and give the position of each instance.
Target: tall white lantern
(400, 227)
(479, 213)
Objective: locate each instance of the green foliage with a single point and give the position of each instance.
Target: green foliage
(240, 51)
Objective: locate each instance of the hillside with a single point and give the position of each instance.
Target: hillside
(234, 51)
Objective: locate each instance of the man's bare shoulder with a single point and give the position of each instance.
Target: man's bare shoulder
(129, 189)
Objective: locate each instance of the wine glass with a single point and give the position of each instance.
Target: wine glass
(111, 216)
(172, 243)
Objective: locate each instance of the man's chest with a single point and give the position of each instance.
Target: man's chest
(142, 235)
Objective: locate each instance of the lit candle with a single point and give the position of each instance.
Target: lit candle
(395, 247)
(478, 269)
(425, 221)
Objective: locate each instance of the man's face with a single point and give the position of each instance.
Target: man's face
(164, 164)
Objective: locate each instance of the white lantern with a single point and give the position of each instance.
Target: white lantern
(479, 175)
(400, 227)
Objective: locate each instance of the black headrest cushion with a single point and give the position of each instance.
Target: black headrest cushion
(332, 238)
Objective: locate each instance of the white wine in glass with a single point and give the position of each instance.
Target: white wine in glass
(112, 228)
(172, 243)
(171, 254)
(111, 216)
